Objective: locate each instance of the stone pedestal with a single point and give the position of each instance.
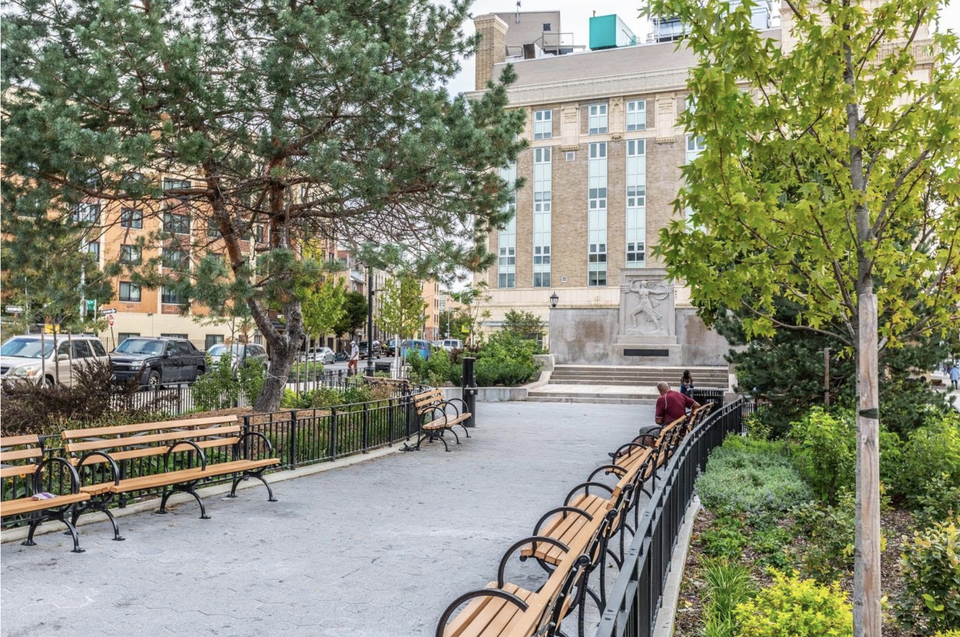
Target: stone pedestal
(647, 326)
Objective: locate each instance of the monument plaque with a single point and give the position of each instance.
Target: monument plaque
(647, 326)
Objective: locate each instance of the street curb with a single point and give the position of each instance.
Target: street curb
(20, 533)
(667, 615)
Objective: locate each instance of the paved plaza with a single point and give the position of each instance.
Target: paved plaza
(377, 549)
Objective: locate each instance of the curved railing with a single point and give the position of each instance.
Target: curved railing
(633, 606)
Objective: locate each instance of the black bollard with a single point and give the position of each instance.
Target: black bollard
(470, 390)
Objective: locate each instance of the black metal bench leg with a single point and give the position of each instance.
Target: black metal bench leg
(167, 492)
(203, 509)
(259, 476)
(465, 430)
(116, 527)
(73, 533)
(34, 523)
(236, 482)
(455, 436)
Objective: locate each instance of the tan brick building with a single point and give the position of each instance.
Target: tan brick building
(601, 172)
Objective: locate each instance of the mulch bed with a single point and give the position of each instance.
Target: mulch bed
(896, 525)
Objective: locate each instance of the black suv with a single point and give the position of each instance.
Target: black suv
(157, 361)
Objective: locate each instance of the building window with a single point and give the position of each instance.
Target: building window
(212, 339)
(87, 213)
(169, 296)
(175, 184)
(129, 292)
(598, 119)
(130, 255)
(546, 26)
(571, 155)
(122, 336)
(637, 115)
(597, 215)
(542, 124)
(174, 259)
(131, 218)
(542, 187)
(93, 247)
(636, 226)
(212, 230)
(176, 224)
(695, 146)
(507, 238)
(180, 336)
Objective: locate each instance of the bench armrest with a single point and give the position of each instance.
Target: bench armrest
(114, 469)
(462, 402)
(38, 475)
(239, 444)
(431, 409)
(533, 539)
(608, 468)
(586, 487)
(203, 456)
(483, 592)
(630, 445)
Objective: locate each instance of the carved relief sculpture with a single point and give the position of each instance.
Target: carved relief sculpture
(646, 317)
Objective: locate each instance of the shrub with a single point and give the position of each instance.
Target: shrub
(825, 450)
(931, 577)
(830, 530)
(939, 501)
(792, 607)
(251, 377)
(725, 538)
(506, 359)
(747, 475)
(727, 586)
(217, 389)
(929, 453)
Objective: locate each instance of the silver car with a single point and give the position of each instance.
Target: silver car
(323, 355)
(239, 352)
(32, 358)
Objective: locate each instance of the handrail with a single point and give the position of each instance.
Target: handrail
(633, 606)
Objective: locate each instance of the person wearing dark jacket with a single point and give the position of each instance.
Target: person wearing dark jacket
(686, 383)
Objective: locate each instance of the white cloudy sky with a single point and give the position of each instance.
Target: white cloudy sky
(575, 18)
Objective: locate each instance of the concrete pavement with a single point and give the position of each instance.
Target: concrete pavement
(377, 549)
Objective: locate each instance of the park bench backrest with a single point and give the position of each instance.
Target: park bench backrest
(427, 399)
(29, 457)
(125, 442)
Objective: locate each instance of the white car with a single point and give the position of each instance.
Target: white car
(21, 357)
(323, 355)
(451, 344)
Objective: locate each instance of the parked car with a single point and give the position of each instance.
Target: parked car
(377, 350)
(158, 361)
(21, 357)
(323, 355)
(424, 348)
(240, 353)
(451, 344)
(391, 349)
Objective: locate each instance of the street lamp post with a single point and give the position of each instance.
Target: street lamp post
(370, 366)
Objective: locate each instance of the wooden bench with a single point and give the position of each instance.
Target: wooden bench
(30, 453)
(432, 404)
(104, 458)
(503, 609)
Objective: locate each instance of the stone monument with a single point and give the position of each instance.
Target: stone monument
(647, 325)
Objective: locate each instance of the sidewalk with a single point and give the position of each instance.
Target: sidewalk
(377, 549)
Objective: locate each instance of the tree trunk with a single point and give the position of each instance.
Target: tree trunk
(866, 609)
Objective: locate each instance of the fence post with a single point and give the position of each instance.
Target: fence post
(470, 391)
(391, 414)
(366, 427)
(293, 437)
(333, 433)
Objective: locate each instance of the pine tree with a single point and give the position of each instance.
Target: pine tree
(325, 118)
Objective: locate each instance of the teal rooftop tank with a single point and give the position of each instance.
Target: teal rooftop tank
(610, 32)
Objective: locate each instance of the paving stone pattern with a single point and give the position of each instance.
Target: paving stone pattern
(376, 549)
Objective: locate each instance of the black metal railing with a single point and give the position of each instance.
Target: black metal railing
(299, 437)
(633, 606)
(704, 395)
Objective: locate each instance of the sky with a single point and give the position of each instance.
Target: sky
(575, 18)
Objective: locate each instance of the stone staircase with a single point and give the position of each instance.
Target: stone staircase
(620, 384)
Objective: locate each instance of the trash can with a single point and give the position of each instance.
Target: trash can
(382, 367)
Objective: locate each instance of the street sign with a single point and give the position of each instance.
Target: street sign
(13, 309)
(110, 319)
(465, 329)
(108, 311)
(91, 305)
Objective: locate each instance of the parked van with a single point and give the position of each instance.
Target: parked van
(451, 344)
(424, 348)
(21, 357)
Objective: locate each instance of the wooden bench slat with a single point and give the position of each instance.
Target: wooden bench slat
(21, 454)
(156, 451)
(28, 505)
(147, 426)
(176, 477)
(16, 441)
(132, 441)
(487, 616)
(19, 470)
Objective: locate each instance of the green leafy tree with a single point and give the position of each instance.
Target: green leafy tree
(830, 177)
(523, 324)
(324, 308)
(294, 120)
(354, 314)
(402, 306)
(472, 313)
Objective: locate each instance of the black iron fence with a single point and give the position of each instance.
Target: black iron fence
(298, 437)
(632, 608)
(704, 395)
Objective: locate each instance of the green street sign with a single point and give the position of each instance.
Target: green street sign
(91, 305)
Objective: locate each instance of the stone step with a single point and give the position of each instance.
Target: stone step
(638, 368)
(583, 398)
(620, 382)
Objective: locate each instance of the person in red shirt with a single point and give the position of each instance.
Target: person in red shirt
(672, 404)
